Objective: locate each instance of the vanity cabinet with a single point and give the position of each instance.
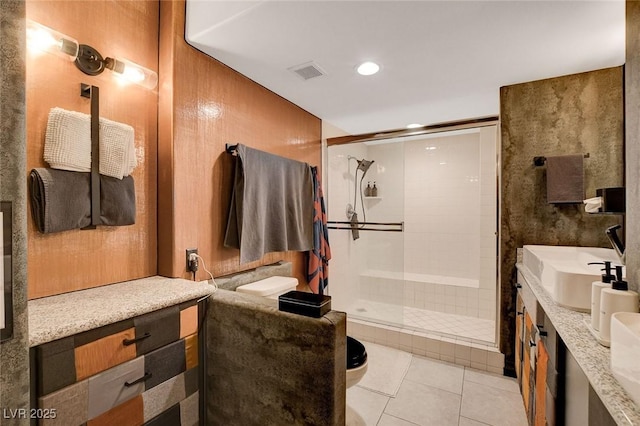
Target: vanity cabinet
(143, 370)
(536, 358)
(554, 387)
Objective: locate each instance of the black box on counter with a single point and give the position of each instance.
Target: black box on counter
(303, 303)
(612, 199)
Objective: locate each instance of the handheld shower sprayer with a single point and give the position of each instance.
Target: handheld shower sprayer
(363, 165)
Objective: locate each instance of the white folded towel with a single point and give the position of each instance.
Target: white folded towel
(592, 205)
(67, 144)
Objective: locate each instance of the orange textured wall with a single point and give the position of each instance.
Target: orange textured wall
(73, 260)
(203, 105)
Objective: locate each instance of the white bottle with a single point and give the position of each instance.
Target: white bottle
(618, 298)
(596, 289)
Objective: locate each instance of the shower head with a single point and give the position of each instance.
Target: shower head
(362, 164)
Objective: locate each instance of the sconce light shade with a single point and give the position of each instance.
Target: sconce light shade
(45, 39)
(132, 72)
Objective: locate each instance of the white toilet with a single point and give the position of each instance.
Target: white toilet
(275, 286)
(356, 361)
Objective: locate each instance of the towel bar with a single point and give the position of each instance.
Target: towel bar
(231, 149)
(539, 161)
(362, 226)
(93, 93)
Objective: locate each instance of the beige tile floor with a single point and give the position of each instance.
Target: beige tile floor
(438, 393)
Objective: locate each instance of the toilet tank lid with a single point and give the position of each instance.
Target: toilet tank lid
(269, 286)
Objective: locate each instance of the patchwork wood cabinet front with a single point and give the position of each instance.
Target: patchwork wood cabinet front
(536, 359)
(140, 371)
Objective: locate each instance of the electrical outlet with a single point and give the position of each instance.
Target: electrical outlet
(193, 267)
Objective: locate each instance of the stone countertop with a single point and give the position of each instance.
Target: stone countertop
(593, 358)
(55, 317)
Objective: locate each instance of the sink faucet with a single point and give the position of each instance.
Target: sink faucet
(612, 234)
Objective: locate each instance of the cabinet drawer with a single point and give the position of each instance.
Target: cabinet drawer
(165, 363)
(156, 329)
(530, 302)
(115, 386)
(104, 353)
(56, 366)
(130, 413)
(519, 336)
(171, 417)
(191, 351)
(188, 321)
(69, 404)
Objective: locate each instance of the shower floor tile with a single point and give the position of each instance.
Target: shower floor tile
(460, 326)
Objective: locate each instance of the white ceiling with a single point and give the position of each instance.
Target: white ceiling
(441, 60)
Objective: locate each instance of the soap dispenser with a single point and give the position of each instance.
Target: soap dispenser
(374, 190)
(618, 298)
(596, 289)
(367, 190)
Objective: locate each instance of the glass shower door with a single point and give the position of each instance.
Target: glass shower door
(366, 271)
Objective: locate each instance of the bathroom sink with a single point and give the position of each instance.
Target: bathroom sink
(565, 273)
(625, 347)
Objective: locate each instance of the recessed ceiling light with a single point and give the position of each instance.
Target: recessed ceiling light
(413, 126)
(368, 68)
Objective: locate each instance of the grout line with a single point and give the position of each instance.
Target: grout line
(464, 373)
(385, 406)
(395, 417)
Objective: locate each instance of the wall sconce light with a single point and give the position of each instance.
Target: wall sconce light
(47, 40)
(87, 59)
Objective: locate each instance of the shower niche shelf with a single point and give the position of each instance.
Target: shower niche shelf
(372, 198)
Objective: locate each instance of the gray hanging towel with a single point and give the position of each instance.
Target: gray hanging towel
(565, 179)
(271, 205)
(60, 200)
(355, 233)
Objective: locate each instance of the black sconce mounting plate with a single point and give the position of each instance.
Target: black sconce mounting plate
(89, 60)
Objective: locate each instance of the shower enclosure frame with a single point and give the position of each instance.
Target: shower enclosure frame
(430, 131)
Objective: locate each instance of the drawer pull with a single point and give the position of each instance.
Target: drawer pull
(518, 285)
(128, 342)
(542, 333)
(531, 343)
(520, 313)
(140, 380)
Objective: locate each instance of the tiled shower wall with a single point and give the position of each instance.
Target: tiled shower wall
(450, 220)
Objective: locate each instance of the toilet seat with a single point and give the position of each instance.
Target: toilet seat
(356, 353)
(356, 361)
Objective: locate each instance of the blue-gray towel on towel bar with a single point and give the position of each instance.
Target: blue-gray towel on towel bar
(271, 205)
(565, 179)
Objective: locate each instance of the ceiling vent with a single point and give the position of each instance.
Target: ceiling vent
(307, 71)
